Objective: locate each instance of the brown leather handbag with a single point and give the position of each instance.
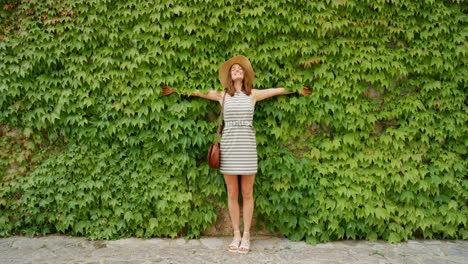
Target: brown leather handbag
(214, 152)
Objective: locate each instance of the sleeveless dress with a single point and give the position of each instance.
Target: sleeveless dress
(238, 144)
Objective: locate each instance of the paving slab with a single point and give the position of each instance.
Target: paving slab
(265, 249)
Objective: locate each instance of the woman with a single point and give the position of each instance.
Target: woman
(238, 145)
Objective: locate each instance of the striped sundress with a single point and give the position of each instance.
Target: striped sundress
(238, 144)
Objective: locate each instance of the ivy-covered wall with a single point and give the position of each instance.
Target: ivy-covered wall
(90, 147)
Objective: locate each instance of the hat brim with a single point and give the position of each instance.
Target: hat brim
(224, 69)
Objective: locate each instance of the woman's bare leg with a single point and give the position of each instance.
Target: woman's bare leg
(248, 200)
(233, 200)
(248, 208)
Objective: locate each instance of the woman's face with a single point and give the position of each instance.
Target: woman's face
(237, 73)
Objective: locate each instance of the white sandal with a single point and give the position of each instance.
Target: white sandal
(244, 247)
(234, 246)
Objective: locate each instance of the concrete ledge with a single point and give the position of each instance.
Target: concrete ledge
(264, 249)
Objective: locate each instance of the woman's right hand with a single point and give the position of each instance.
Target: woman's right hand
(167, 90)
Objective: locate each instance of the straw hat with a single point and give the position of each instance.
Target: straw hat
(224, 70)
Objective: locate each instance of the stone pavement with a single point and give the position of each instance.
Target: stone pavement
(265, 249)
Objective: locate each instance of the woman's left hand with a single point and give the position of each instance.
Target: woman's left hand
(305, 91)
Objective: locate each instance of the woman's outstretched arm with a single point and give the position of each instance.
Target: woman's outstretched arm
(211, 95)
(262, 94)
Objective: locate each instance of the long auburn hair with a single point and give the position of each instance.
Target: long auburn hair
(247, 83)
